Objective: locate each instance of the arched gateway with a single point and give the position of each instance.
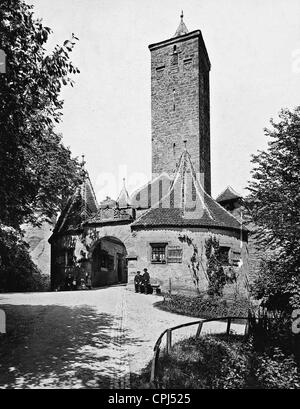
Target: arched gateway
(109, 264)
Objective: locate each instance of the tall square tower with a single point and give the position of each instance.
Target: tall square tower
(180, 103)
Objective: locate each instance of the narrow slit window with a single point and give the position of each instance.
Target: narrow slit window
(174, 96)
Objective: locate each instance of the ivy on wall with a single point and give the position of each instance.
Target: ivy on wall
(214, 269)
(195, 261)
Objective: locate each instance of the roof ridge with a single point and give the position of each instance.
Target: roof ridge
(223, 208)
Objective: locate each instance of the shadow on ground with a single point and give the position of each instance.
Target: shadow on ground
(56, 346)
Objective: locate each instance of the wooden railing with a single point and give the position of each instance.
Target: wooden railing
(168, 333)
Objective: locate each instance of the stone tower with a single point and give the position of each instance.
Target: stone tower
(180, 103)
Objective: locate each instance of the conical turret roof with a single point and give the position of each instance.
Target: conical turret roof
(123, 199)
(80, 206)
(187, 204)
(182, 29)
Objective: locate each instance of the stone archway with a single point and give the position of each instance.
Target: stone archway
(109, 263)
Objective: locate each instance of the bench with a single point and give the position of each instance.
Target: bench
(156, 287)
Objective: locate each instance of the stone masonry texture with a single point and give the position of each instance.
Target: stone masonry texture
(180, 104)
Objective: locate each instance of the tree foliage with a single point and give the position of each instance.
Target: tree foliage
(36, 170)
(274, 206)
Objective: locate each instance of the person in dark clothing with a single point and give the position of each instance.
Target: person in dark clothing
(68, 283)
(138, 281)
(146, 281)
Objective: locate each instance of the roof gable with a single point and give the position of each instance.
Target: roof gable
(187, 204)
(228, 194)
(79, 207)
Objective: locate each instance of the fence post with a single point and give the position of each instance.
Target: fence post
(154, 368)
(170, 285)
(246, 333)
(169, 340)
(228, 326)
(199, 329)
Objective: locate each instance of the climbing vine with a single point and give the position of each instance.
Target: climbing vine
(215, 270)
(195, 261)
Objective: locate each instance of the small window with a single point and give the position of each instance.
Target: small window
(187, 61)
(158, 252)
(174, 59)
(235, 258)
(161, 68)
(223, 255)
(174, 254)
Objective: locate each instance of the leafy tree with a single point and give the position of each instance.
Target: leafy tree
(274, 206)
(36, 170)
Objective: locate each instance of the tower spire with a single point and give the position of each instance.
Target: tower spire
(181, 30)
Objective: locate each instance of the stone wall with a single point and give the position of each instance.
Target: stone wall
(179, 274)
(180, 105)
(39, 248)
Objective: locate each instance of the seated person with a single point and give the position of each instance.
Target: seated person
(138, 281)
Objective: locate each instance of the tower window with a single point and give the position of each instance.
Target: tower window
(174, 59)
(174, 94)
(160, 68)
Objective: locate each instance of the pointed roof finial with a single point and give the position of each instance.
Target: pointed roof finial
(181, 30)
(83, 161)
(185, 145)
(123, 199)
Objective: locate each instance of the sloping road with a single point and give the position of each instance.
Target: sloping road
(81, 339)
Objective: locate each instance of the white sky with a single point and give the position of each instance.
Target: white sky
(254, 48)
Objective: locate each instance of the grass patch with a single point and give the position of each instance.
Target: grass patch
(218, 362)
(201, 307)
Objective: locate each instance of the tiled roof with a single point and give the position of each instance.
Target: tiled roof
(228, 194)
(79, 208)
(111, 215)
(107, 203)
(187, 204)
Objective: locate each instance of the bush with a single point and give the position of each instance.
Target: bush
(202, 307)
(276, 372)
(215, 362)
